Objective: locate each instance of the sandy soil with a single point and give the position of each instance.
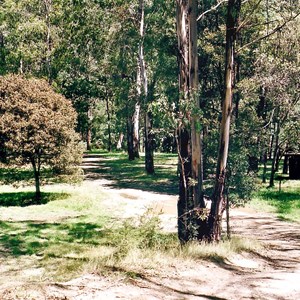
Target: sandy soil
(275, 274)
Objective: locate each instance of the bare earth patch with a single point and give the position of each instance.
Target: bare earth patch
(274, 274)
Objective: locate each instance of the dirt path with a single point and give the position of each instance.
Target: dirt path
(273, 275)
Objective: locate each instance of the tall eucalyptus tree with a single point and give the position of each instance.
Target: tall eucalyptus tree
(218, 199)
(191, 203)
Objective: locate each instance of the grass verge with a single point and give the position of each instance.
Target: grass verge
(74, 232)
(67, 237)
(285, 203)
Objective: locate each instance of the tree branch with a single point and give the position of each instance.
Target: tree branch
(247, 19)
(215, 8)
(279, 27)
(211, 9)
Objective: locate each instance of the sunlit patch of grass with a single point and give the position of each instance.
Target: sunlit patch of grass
(285, 203)
(73, 233)
(132, 174)
(94, 242)
(135, 248)
(219, 252)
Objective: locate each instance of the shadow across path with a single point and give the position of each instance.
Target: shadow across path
(123, 173)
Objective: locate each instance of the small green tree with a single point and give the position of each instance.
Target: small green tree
(36, 125)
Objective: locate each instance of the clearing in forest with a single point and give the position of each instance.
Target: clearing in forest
(64, 249)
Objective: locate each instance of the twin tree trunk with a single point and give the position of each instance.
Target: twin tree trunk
(142, 98)
(218, 200)
(192, 221)
(190, 203)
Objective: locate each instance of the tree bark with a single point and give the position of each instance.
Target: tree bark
(2, 54)
(130, 139)
(142, 90)
(135, 131)
(265, 162)
(183, 143)
(275, 154)
(149, 152)
(218, 199)
(108, 121)
(190, 203)
(37, 177)
(89, 129)
(196, 133)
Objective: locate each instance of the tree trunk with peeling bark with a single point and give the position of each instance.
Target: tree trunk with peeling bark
(142, 91)
(218, 200)
(133, 133)
(190, 203)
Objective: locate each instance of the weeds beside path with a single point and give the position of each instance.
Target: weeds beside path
(272, 273)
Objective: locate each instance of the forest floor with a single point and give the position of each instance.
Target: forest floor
(273, 273)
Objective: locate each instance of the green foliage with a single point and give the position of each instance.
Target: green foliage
(41, 125)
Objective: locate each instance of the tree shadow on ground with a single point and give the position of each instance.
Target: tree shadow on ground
(28, 238)
(23, 199)
(123, 173)
(162, 287)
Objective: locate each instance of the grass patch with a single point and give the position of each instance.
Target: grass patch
(131, 174)
(28, 198)
(285, 203)
(74, 235)
(218, 252)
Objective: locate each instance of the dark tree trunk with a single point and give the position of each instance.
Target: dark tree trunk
(149, 152)
(37, 178)
(275, 154)
(183, 142)
(265, 161)
(108, 122)
(130, 149)
(2, 54)
(218, 199)
(278, 159)
(185, 203)
(285, 165)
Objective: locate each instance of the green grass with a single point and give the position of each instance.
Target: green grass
(74, 232)
(285, 203)
(132, 174)
(27, 198)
